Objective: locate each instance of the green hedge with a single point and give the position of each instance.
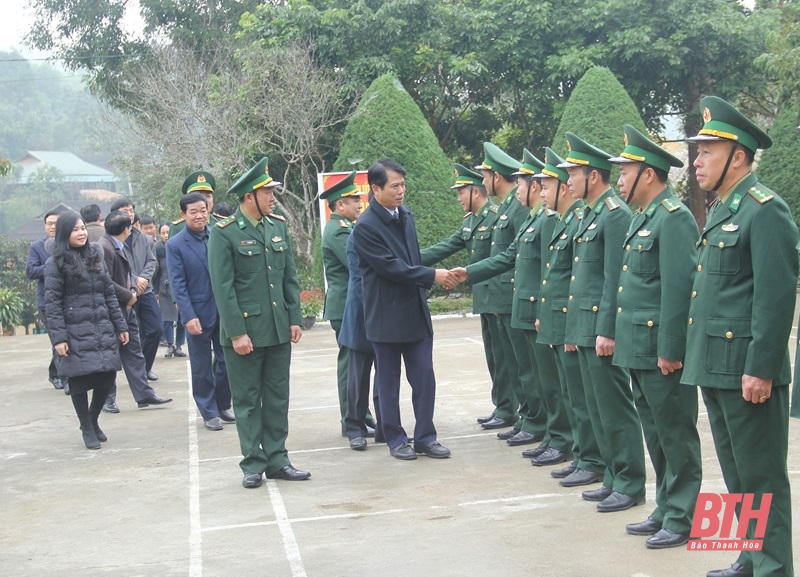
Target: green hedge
(779, 168)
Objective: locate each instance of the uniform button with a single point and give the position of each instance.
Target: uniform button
(271, 285)
(551, 247)
(517, 256)
(619, 309)
(624, 267)
(721, 244)
(699, 268)
(579, 239)
(691, 321)
(492, 243)
(576, 259)
(705, 241)
(547, 265)
(628, 247)
(512, 280)
(274, 304)
(515, 288)
(594, 309)
(572, 277)
(245, 315)
(563, 310)
(571, 297)
(649, 323)
(544, 282)
(473, 251)
(542, 299)
(494, 227)
(620, 289)
(266, 250)
(249, 253)
(729, 335)
(269, 267)
(694, 294)
(639, 247)
(533, 299)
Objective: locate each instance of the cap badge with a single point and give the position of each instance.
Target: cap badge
(569, 146)
(201, 178)
(625, 139)
(706, 115)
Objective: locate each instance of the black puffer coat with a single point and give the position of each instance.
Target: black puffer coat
(83, 311)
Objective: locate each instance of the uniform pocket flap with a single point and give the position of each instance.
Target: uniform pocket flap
(251, 310)
(647, 317)
(527, 296)
(724, 240)
(642, 243)
(249, 250)
(729, 328)
(279, 246)
(590, 304)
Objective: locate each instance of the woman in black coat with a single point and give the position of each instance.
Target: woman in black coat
(87, 324)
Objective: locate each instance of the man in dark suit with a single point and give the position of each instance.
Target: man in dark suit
(396, 314)
(118, 228)
(188, 251)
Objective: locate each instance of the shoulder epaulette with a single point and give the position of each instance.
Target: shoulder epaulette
(344, 224)
(279, 217)
(612, 203)
(579, 213)
(219, 216)
(549, 212)
(760, 195)
(226, 221)
(494, 208)
(670, 204)
(469, 214)
(180, 220)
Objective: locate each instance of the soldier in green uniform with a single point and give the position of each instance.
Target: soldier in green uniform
(344, 200)
(551, 323)
(740, 318)
(255, 285)
(499, 180)
(204, 183)
(591, 319)
(546, 417)
(652, 310)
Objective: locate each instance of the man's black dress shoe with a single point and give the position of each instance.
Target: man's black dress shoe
(358, 444)
(523, 438)
(596, 494)
(496, 423)
(485, 419)
(505, 435)
(151, 376)
(56, 382)
(551, 456)
(289, 473)
(536, 451)
(403, 452)
(665, 539)
(580, 477)
(433, 450)
(251, 480)
(563, 472)
(152, 400)
(735, 570)
(617, 501)
(227, 415)
(646, 527)
(370, 431)
(110, 408)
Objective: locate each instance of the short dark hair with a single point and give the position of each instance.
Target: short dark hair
(165, 223)
(51, 213)
(116, 222)
(191, 198)
(223, 209)
(136, 218)
(605, 175)
(120, 202)
(508, 177)
(480, 188)
(377, 172)
(749, 155)
(148, 220)
(661, 175)
(90, 213)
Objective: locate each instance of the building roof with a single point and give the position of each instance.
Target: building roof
(71, 167)
(34, 229)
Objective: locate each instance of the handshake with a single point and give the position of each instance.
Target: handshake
(450, 278)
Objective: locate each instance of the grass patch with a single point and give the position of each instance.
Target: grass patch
(450, 305)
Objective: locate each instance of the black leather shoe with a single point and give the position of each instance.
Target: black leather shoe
(505, 435)
(251, 481)
(665, 539)
(433, 450)
(179, 353)
(152, 400)
(227, 415)
(536, 451)
(596, 494)
(563, 472)
(646, 527)
(496, 423)
(581, 477)
(735, 570)
(486, 419)
(370, 431)
(56, 382)
(289, 473)
(403, 452)
(358, 444)
(110, 408)
(151, 376)
(551, 456)
(523, 438)
(617, 501)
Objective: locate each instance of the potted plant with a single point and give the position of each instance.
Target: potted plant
(311, 302)
(11, 310)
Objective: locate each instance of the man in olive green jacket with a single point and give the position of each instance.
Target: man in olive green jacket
(255, 285)
(591, 326)
(740, 318)
(653, 307)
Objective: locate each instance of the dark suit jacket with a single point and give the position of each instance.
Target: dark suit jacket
(119, 269)
(395, 303)
(352, 334)
(189, 276)
(34, 268)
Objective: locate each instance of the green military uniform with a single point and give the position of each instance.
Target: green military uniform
(334, 257)
(740, 319)
(200, 181)
(507, 342)
(652, 310)
(592, 311)
(552, 316)
(255, 285)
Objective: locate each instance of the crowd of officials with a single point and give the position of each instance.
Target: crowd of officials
(601, 312)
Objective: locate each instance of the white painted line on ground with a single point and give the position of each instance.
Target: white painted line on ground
(287, 533)
(195, 529)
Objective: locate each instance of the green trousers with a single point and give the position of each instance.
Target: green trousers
(506, 373)
(488, 351)
(615, 422)
(342, 365)
(532, 414)
(752, 442)
(260, 393)
(668, 413)
(559, 432)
